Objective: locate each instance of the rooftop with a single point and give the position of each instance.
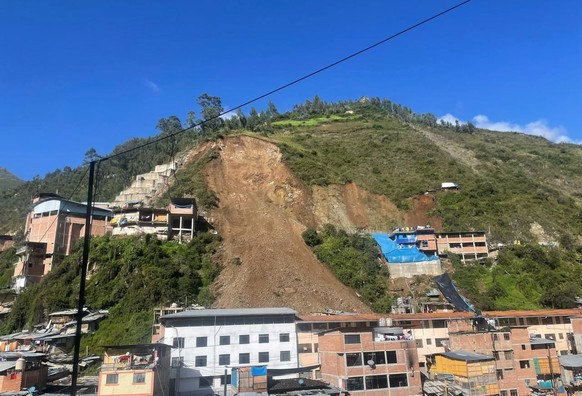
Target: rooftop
(203, 313)
(467, 356)
(571, 361)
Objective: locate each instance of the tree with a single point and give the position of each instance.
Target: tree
(169, 126)
(210, 108)
(253, 120)
(90, 156)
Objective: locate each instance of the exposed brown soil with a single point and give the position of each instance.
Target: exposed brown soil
(263, 209)
(419, 215)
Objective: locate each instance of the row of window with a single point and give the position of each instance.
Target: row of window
(511, 392)
(234, 320)
(377, 382)
(178, 342)
(113, 379)
(365, 358)
(224, 359)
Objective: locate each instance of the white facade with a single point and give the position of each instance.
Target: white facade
(211, 340)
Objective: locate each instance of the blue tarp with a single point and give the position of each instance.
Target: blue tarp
(395, 253)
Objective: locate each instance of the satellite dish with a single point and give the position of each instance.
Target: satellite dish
(371, 363)
(301, 381)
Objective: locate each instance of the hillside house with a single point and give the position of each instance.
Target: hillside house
(30, 266)
(59, 223)
(183, 214)
(140, 370)
(403, 254)
(469, 245)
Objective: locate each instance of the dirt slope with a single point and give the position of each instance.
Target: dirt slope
(263, 209)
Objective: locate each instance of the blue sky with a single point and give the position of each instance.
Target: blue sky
(76, 75)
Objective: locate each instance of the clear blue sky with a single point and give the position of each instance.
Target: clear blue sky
(76, 75)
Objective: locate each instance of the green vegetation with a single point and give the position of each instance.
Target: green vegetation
(7, 260)
(129, 277)
(354, 260)
(523, 277)
(8, 181)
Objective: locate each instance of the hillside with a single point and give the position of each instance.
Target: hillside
(8, 180)
(359, 166)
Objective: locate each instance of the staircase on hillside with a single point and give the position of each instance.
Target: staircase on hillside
(148, 186)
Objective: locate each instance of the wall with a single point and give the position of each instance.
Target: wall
(408, 270)
(125, 384)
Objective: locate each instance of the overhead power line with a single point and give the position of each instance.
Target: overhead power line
(287, 85)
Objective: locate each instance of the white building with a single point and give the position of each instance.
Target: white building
(209, 341)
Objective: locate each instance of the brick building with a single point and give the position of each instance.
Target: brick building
(371, 361)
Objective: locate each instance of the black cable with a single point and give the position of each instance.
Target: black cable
(282, 87)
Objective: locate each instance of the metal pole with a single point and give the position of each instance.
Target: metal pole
(86, 245)
(225, 382)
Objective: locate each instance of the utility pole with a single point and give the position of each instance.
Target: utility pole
(81, 305)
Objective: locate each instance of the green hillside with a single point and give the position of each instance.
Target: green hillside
(8, 181)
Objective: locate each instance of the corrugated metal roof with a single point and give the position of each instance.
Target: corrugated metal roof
(7, 365)
(467, 356)
(571, 361)
(201, 313)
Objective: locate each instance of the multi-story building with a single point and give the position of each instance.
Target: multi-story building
(209, 342)
(468, 245)
(30, 266)
(59, 223)
(373, 361)
(140, 370)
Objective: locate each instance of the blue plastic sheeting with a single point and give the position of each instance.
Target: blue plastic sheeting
(259, 370)
(395, 253)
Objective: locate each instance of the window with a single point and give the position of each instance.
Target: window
(228, 380)
(304, 348)
(523, 347)
(533, 321)
(418, 343)
(112, 379)
(138, 378)
(513, 392)
(352, 339)
(506, 336)
(524, 364)
(353, 359)
(244, 339)
(244, 358)
(398, 380)
(495, 337)
(201, 342)
(499, 374)
(503, 393)
(391, 357)
(177, 361)
(376, 357)
(439, 324)
(223, 360)
(508, 355)
(285, 356)
(284, 337)
(224, 340)
(263, 357)
(441, 342)
(429, 341)
(178, 342)
(550, 337)
(376, 382)
(496, 355)
(304, 327)
(355, 384)
(263, 338)
(200, 361)
(561, 336)
(205, 382)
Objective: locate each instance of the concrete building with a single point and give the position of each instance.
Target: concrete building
(209, 342)
(30, 266)
(141, 370)
(371, 361)
(183, 214)
(468, 245)
(59, 223)
(139, 220)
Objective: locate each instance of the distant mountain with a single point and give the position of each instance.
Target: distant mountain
(8, 180)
